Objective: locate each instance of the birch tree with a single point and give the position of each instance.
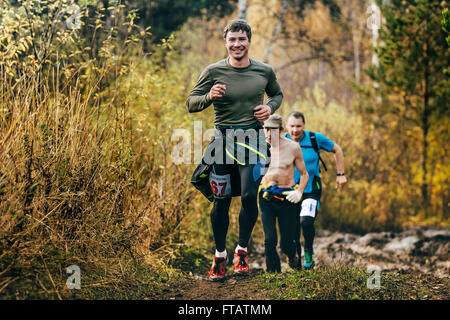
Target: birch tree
(276, 30)
(242, 6)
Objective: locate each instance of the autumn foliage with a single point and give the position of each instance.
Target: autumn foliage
(88, 106)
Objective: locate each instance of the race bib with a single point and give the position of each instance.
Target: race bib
(220, 184)
(308, 208)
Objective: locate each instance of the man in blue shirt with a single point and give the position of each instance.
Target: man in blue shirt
(295, 124)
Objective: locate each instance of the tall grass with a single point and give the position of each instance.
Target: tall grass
(78, 183)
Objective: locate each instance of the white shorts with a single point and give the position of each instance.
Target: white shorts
(309, 208)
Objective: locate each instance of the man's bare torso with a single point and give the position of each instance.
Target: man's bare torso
(281, 169)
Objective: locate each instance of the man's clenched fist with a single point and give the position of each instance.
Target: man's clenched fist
(262, 112)
(217, 91)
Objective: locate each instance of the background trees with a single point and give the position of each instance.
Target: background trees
(412, 56)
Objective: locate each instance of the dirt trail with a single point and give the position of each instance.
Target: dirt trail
(234, 287)
(419, 251)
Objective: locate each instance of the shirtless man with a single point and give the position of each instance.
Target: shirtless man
(278, 195)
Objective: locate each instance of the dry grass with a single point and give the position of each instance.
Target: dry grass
(69, 191)
(77, 185)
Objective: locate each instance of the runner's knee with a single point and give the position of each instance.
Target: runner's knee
(249, 196)
(220, 208)
(270, 241)
(249, 212)
(307, 222)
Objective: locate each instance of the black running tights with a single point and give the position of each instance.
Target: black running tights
(249, 211)
(306, 225)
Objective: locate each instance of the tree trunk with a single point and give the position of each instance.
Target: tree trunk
(276, 31)
(357, 61)
(242, 9)
(425, 128)
(374, 23)
(356, 37)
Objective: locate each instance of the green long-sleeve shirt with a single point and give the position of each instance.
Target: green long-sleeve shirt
(245, 89)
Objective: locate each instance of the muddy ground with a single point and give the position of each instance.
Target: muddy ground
(421, 251)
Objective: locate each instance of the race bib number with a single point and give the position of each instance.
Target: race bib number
(220, 184)
(308, 208)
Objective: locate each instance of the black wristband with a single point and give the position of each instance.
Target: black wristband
(340, 174)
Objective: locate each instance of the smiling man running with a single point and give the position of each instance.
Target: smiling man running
(236, 87)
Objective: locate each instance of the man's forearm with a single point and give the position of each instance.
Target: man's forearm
(196, 103)
(304, 177)
(274, 102)
(199, 98)
(339, 157)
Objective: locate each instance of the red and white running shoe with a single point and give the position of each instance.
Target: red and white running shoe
(241, 262)
(217, 271)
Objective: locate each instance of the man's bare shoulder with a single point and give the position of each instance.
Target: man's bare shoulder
(291, 144)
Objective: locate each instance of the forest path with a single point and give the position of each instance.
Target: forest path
(234, 287)
(423, 253)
